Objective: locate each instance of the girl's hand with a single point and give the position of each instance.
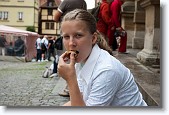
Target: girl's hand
(66, 66)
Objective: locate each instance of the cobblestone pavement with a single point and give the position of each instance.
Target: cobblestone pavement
(21, 84)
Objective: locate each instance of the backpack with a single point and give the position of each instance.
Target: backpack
(95, 11)
(48, 71)
(43, 47)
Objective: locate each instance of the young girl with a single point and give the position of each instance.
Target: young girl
(94, 76)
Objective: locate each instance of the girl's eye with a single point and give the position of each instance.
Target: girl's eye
(66, 37)
(78, 35)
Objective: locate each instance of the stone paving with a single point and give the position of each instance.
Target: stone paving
(21, 84)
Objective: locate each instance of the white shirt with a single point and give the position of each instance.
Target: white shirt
(104, 81)
(45, 41)
(38, 42)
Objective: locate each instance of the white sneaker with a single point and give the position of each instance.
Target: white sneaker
(38, 60)
(53, 75)
(46, 59)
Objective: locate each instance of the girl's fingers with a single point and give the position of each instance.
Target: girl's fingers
(72, 58)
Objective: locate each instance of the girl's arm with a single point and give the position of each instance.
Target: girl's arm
(67, 72)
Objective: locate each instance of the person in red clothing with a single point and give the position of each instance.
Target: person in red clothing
(115, 10)
(104, 23)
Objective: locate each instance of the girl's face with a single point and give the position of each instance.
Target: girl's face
(76, 36)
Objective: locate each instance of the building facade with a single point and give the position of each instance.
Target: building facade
(19, 13)
(47, 25)
(141, 20)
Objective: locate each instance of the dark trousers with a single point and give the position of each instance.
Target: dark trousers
(50, 51)
(38, 55)
(55, 66)
(112, 39)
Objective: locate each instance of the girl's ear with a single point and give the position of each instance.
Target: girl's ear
(94, 39)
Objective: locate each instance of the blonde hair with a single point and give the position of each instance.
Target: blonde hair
(89, 20)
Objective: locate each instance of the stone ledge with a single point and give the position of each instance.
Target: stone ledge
(147, 78)
(147, 97)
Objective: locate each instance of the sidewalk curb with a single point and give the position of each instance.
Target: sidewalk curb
(60, 86)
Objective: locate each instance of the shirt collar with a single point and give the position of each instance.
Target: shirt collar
(88, 68)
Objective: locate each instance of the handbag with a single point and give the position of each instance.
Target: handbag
(48, 71)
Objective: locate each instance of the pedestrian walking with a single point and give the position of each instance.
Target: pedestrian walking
(93, 75)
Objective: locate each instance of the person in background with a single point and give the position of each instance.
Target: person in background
(51, 49)
(94, 76)
(19, 47)
(68, 5)
(38, 48)
(10, 49)
(44, 46)
(64, 7)
(3, 43)
(115, 9)
(104, 23)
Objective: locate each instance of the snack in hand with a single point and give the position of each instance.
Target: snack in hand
(69, 52)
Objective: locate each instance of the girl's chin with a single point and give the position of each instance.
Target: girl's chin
(78, 60)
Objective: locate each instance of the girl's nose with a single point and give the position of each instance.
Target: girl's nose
(72, 42)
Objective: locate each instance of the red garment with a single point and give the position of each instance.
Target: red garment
(115, 10)
(104, 18)
(110, 35)
(123, 43)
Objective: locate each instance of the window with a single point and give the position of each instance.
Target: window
(50, 11)
(0, 15)
(3, 15)
(49, 26)
(20, 15)
(52, 26)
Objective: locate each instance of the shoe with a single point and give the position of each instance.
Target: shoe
(38, 60)
(53, 75)
(64, 94)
